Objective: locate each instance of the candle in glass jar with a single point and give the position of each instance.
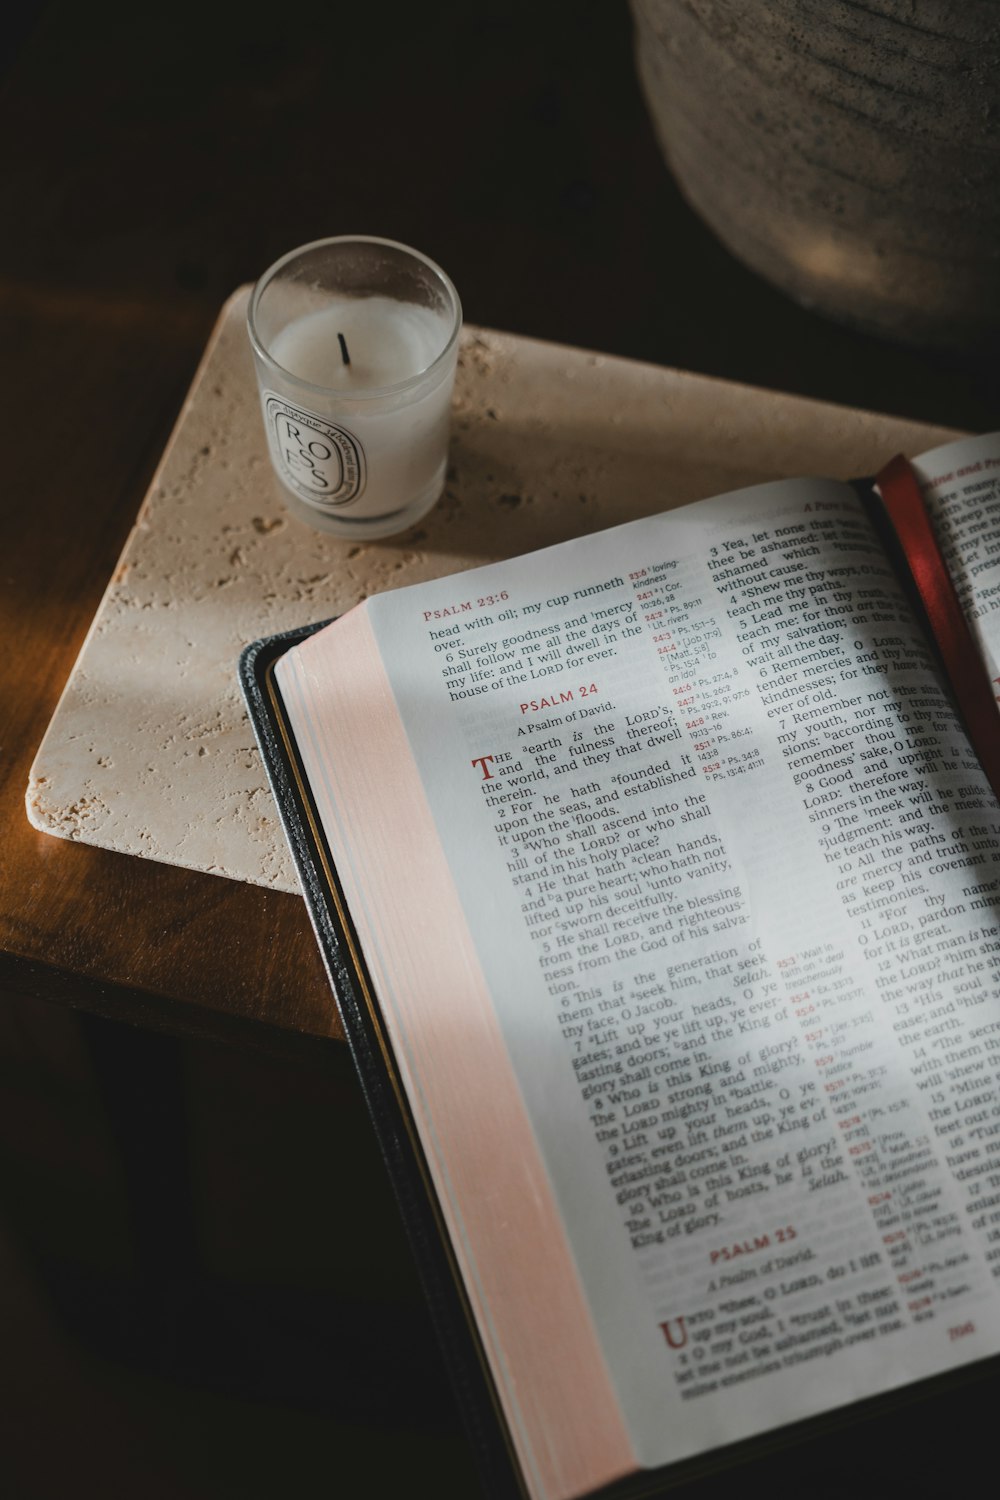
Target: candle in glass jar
(356, 383)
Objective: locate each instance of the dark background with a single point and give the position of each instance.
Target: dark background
(203, 1287)
(160, 155)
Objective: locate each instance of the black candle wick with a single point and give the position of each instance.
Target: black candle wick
(343, 348)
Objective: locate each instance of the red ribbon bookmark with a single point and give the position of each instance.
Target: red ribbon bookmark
(963, 663)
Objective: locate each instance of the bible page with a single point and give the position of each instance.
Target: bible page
(730, 868)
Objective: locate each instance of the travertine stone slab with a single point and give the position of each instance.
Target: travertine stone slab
(149, 751)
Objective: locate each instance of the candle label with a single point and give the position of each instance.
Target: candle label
(322, 463)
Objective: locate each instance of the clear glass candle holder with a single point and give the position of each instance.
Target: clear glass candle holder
(355, 341)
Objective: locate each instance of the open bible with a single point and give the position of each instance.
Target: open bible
(657, 878)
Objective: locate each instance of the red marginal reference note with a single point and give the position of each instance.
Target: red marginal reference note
(656, 874)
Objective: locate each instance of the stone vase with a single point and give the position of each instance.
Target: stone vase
(848, 153)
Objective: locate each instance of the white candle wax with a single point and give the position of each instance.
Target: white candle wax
(386, 342)
(348, 444)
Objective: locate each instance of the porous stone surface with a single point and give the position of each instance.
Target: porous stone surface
(150, 751)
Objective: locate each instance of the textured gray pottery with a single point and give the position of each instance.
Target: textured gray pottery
(850, 153)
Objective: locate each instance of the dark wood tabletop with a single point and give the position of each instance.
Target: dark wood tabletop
(157, 157)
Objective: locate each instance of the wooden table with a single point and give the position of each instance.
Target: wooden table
(155, 161)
